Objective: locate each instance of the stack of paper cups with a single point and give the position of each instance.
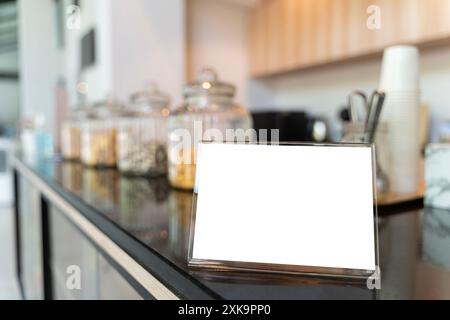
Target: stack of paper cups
(400, 81)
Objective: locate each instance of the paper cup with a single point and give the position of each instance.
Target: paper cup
(400, 69)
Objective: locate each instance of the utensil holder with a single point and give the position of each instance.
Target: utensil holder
(355, 133)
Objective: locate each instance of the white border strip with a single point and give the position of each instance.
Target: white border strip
(142, 276)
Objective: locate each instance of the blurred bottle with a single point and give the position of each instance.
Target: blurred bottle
(36, 140)
(44, 139)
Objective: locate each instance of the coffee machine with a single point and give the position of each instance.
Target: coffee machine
(293, 126)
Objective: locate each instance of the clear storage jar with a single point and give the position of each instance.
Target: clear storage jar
(142, 135)
(98, 135)
(208, 113)
(71, 134)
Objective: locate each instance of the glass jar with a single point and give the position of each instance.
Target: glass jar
(98, 135)
(142, 135)
(209, 114)
(71, 134)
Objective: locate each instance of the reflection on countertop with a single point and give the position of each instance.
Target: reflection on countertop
(414, 246)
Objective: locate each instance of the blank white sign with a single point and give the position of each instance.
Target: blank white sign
(288, 205)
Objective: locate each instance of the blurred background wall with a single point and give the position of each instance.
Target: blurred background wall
(168, 42)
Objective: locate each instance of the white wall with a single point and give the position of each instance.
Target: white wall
(129, 54)
(94, 14)
(217, 37)
(150, 47)
(39, 58)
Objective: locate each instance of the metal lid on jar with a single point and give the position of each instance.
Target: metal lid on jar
(149, 100)
(208, 84)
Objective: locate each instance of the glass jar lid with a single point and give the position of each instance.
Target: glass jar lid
(208, 84)
(109, 108)
(79, 112)
(148, 101)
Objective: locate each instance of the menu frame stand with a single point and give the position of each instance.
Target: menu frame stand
(282, 269)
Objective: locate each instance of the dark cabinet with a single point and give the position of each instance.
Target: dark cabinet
(56, 259)
(73, 261)
(112, 286)
(79, 270)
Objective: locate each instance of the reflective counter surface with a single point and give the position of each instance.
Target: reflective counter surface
(414, 245)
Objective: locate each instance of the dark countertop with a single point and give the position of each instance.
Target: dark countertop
(150, 221)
